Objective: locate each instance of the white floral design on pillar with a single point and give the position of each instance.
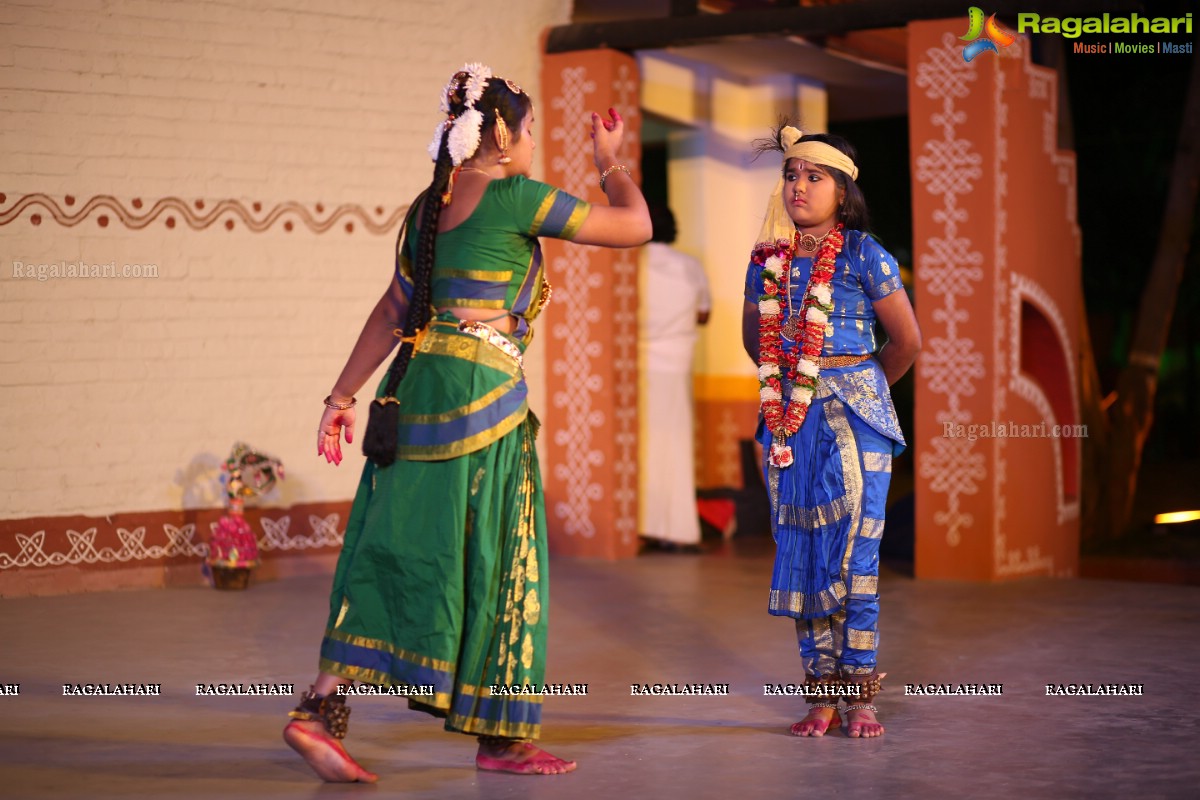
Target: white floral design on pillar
(574, 281)
(950, 268)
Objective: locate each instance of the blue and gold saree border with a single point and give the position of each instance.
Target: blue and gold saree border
(560, 216)
(467, 709)
(499, 403)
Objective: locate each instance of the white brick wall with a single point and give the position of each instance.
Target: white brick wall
(126, 394)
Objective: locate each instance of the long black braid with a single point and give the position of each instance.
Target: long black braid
(420, 308)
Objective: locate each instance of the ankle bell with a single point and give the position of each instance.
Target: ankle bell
(868, 687)
(822, 692)
(329, 710)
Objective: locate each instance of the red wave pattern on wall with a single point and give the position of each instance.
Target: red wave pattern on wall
(200, 214)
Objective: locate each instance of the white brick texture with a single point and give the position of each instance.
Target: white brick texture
(124, 394)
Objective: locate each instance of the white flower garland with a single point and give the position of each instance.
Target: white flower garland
(465, 128)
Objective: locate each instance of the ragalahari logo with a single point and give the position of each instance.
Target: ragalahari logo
(992, 34)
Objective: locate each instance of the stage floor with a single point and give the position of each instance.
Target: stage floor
(659, 619)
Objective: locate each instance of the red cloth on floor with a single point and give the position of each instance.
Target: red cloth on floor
(720, 513)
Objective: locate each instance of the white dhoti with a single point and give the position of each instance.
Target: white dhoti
(668, 474)
(675, 292)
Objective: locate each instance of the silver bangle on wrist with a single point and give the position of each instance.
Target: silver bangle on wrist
(614, 168)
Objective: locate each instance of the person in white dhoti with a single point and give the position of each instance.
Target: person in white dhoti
(675, 300)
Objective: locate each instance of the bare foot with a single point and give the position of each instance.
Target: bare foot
(863, 724)
(816, 722)
(521, 758)
(324, 753)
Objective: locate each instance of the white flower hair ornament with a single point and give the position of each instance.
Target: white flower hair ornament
(436, 145)
(464, 136)
(464, 130)
(477, 82)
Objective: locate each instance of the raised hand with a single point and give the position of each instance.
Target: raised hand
(606, 138)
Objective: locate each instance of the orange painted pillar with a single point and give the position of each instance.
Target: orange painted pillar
(589, 329)
(997, 260)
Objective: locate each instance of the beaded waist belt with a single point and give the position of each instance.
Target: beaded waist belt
(493, 337)
(828, 362)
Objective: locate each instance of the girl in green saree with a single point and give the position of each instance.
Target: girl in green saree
(441, 588)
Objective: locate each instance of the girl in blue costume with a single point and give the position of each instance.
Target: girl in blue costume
(442, 580)
(816, 285)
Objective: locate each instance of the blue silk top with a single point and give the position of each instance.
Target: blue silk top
(863, 274)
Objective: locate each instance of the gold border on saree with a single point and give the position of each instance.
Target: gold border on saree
(493, 337)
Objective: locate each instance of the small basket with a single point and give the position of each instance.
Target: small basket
(231, 578)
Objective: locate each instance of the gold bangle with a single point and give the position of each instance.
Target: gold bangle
(340, 406)
(604, 175)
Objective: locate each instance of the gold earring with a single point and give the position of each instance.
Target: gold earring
(502, 130)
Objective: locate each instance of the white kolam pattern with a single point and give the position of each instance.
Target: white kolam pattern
(574, 281)
(951, 364)
(177, 541)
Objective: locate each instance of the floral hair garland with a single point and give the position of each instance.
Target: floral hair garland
(803, 370)
(464, 129)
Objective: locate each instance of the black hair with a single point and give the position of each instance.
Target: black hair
(853, 211)
(497, 98)
(662, 222)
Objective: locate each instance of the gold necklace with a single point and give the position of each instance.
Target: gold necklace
(792, 326)
(810, 243)
(448, 195)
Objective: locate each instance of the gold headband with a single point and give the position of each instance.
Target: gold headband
(777, 225)
(824, 154)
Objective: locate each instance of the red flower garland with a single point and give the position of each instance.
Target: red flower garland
(803, 373)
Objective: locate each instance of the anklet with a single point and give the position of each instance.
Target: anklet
(863, 707)
(865, 686)
(329, 710)
(822, 690)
